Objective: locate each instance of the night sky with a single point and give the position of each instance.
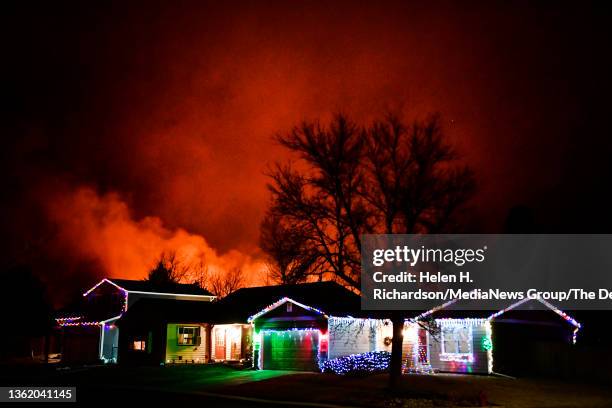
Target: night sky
(142, 127)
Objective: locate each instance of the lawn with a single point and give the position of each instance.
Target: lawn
(415, 390)
(183, 377)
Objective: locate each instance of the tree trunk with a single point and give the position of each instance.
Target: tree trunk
(396, 349)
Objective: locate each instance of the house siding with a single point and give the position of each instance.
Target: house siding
(356, 336)
(176, 353)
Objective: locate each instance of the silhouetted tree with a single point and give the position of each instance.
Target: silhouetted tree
(198, 273)
(414, 186)
(323, 200)
(386, 178)
(168, 271)
(290, 256)
(222, 285)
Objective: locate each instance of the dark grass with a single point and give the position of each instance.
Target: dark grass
(413, 391)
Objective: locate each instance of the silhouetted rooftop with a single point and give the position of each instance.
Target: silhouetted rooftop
(168, 311)
(146, 286)
(329, 297)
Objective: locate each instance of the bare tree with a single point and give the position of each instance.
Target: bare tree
(386, 178)
(168, 270)
(197, 272)
(414, 186)
(222, 285)
(323, 201)
(290, 256)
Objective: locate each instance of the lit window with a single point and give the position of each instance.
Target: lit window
(188, 336)
(139, 345)
(289, 307)
(456, 343)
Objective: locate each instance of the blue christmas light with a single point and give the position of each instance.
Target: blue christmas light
(373, 361)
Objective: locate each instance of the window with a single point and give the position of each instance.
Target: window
(289, 307)
(188, 336)
(139, 345)
(456, 343)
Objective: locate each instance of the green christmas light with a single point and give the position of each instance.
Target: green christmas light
(487, 344)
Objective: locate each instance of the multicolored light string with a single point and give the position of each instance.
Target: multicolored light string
(373, 361)
(564, 316)
(281, 302)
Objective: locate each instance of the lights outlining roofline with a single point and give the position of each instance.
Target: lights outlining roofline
(565, 316)
(69, 323)
(432, 310)
(100, 283)
(169, 294)
(555, 309)
(68, 319)
(512, 306)
(143, 292)
(126, 293)
(76, 324)
(281, 302)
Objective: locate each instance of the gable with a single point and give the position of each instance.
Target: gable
(105, 298)
(286, 307)
(329, 297)
(290, 310)
(104, 287)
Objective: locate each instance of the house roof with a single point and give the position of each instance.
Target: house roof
(457, 310)
(159, 310)
(146, 286)
(328, 297)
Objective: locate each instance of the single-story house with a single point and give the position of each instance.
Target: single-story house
(295, 327)
(300, 327)
(254, 327)
(506, 341)
(89, 330)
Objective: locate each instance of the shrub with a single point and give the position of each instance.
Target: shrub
(370, 362)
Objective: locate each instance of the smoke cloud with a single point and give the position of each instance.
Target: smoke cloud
(159, 116)
(100, 228)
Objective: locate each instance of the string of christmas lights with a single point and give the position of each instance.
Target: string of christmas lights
(75, 324)
(68, 319)
(373, 361)
(280, 302)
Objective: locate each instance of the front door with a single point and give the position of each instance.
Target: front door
(220, 344)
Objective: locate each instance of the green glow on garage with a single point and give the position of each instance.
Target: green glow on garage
(292, 349)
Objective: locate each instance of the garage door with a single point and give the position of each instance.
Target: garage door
(291, 350)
